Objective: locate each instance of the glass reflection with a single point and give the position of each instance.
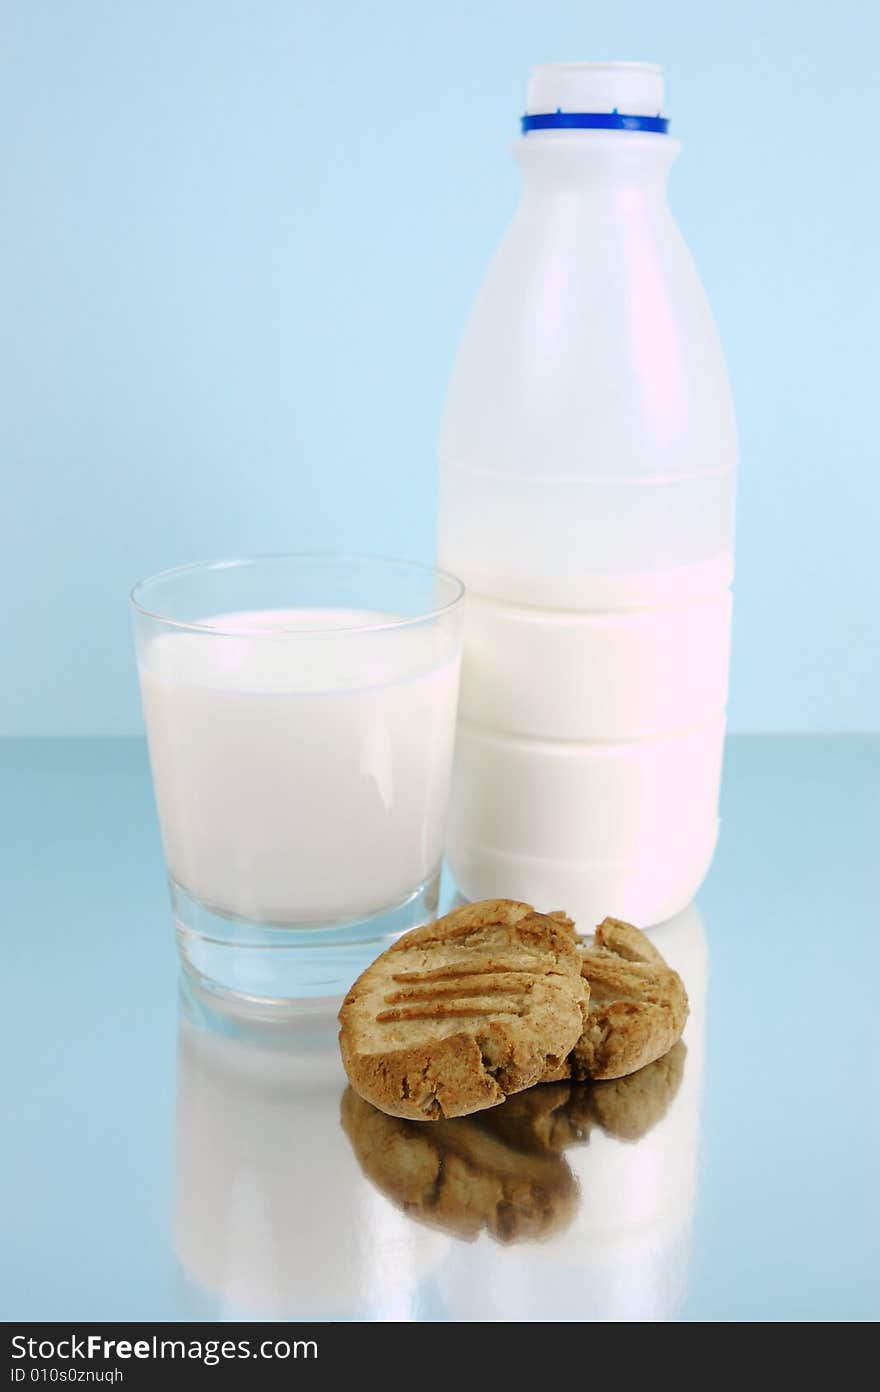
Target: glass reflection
(272, 1217)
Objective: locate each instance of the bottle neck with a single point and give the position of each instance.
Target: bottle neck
(581, 163)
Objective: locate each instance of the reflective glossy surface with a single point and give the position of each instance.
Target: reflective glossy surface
(171, 1159)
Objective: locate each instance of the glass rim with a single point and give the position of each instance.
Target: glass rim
(335, 557)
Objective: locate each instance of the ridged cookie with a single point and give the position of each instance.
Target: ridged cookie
(637, 1005)
(460, 1013)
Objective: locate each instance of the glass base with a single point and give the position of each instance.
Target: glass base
(271, 966)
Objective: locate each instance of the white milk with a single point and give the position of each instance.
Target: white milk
(301, 776)
(587, 490)
(601, 675)
(588, 762)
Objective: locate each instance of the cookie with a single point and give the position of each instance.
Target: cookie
(460, 1013)
(460, 1176)
(637, 1005)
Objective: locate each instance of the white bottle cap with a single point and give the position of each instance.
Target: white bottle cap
(632, 89)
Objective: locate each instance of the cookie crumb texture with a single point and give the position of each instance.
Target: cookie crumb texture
(638, 1005)
(461, 1013)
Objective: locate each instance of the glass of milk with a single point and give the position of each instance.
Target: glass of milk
(300, 715)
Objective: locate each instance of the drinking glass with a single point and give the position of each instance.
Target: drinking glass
(300, 715)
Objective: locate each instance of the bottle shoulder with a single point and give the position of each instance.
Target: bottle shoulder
(591, 345)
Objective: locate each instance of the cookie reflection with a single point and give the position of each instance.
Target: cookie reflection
(504, 1171)
(625, 1252)
(569, 1202)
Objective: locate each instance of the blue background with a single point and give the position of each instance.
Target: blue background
(238, 246)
